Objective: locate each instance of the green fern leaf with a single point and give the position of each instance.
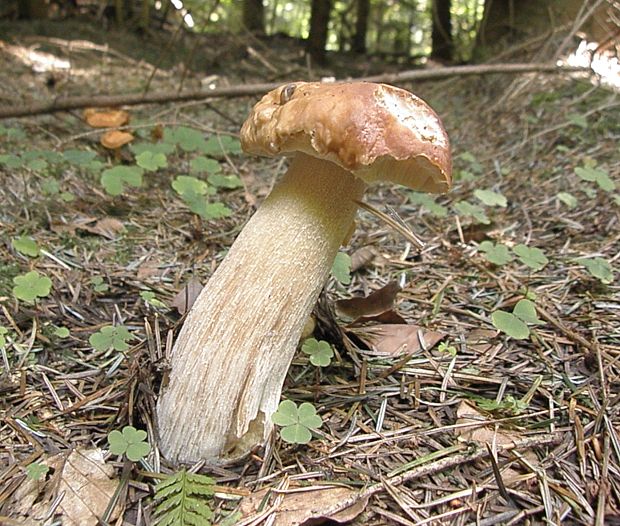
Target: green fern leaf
(164, 493)
(172, 480)
(193, 488)
(182, 500)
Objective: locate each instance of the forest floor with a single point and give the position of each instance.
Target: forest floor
(484, 389)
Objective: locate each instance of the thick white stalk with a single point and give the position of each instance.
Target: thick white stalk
(232, 354)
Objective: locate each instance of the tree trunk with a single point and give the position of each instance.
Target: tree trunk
(319, 24)
(443, 47)
(32, 9)
(506, 22)
(254, 16)
(361, 26)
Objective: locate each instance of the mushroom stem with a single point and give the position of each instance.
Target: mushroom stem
(233, 352)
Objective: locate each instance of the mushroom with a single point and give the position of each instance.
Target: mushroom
(115, 139)
(230, 360)
(105, 118)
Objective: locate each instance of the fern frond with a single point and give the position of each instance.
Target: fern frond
(182, 500)
(173, 480)
(199, 489)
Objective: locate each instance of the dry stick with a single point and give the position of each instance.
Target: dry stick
(72, 103)
(440, 465)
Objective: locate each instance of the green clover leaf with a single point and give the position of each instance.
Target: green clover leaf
(62, 332)
(36, 470)
(26, 245)
(525, 310)
(79, 157)
(161, 147)
(341, 269)
(3, 331)
(114, 337)
(490, 198)
(50, 187)
(188, 139)
(186, 185)
(531, 256)
(149, 297)
(30, 286)
(598, 268)
(207, 211)
(151, 161)
(426, 201)
(98, 284)
(497, 254)
(467, 209)
(224, 144)
(229, 182)
(596, 175)
(296, 422)
(38, 165)
(202, 164)
(115, 179)
(568, 199)
(510, 324)
(10, 161)
(129, 442)
(320, 352)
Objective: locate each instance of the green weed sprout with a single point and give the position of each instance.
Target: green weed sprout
(36, 470)
(515, 323)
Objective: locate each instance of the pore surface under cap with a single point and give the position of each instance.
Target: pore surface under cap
(377, 131)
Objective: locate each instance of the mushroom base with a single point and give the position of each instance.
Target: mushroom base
(234, 350)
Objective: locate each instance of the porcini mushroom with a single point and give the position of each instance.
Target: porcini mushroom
(230, 360)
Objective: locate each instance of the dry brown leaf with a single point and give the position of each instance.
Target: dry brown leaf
(364, 257)
(305, 507)
(375, 303)
(107, 227)
(185, 298)
(480, 340)
(389, 316)
(88, 486)
(476, 431)
(148, 269)
(105, 118)
(396, 340)
(61, 227)
(84, 481)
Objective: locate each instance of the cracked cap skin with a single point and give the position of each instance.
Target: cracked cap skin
(378, 132)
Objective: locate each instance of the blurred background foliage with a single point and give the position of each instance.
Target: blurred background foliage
(449, 31)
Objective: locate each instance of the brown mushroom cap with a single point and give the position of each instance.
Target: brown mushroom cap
(376, 131)
(115, 139)
(105, 118)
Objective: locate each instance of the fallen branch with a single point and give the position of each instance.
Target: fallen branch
(73, 103)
